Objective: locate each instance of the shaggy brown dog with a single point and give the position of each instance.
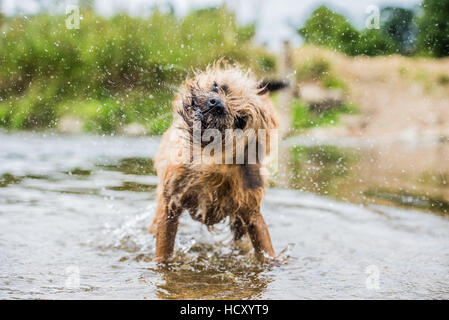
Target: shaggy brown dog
(220, 98)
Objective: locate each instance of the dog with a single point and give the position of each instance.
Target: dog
(219, 99)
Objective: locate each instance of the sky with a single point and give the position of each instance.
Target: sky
(276, 19)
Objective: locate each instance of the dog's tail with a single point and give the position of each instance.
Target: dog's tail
(272, 85)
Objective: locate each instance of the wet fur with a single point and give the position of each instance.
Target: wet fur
(212, 192)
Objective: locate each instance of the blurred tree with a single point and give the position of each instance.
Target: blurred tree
(398, 24)
(374, 42)
(329, 29)
(433, 37)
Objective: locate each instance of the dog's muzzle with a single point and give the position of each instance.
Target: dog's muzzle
(215, 106)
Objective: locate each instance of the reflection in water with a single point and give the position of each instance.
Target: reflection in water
(403, 198)
(135, 165)
(319, 169)
(7, 179)
(389, 174)
(133, 186)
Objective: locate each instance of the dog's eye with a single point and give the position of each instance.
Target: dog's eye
(215, 87)
(225, 89)
(240, 122)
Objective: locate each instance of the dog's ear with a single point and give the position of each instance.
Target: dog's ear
(271, 86)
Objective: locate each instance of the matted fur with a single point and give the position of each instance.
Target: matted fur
(211, 192)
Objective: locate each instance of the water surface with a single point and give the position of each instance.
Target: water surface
(78, 208)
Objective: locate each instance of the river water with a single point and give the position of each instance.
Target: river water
(354, 222)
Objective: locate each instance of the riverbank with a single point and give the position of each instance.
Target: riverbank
(397, 97)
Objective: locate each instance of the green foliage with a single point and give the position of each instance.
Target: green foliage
(433, 26)
(246, 33)
(329, 29)
(319, 69)
(401, 31)
(304, 118)
(374, 42)
(32, 109)
(313, 69)
(331, 81)
(112, 71)
(267, 64)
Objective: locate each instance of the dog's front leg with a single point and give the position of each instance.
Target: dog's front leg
(167, 227)
(260, 237)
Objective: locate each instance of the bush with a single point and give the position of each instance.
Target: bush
(373, 42)
(127, 65)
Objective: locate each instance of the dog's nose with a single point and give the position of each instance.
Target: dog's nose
(215, 105)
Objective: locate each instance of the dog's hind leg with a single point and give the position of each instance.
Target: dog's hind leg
(167, 226)
(260, 237)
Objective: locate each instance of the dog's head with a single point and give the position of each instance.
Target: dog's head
(231, 109)
(224, 97)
